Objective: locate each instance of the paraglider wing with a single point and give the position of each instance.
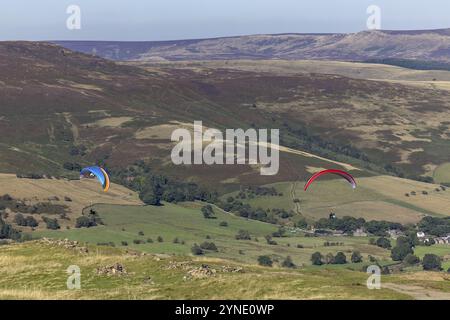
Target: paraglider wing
(97, 172)
(341, 173)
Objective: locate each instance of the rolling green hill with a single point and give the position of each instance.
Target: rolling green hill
(123, 223)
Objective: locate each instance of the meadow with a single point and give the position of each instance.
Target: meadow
(187, 224)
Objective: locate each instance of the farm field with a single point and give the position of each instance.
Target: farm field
(442, 173)
(375, 198)
(82, 193)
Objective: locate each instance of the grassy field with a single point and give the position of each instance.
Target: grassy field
(442, 173)
(123, 223)
(36, 271)
(375, 198)
(441, 250)
(81, 192)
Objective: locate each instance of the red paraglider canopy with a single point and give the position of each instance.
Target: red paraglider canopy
(341, 173)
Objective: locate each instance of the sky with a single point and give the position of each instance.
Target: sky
(141, 20)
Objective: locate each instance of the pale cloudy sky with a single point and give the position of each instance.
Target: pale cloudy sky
(183, 19)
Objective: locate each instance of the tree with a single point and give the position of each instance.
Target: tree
(411, 259)
(208, 212)
(19, 219)
(270, 240)
(383, 243)
(243, 235)
(288, 263)
(52, 224)
(431, 262)
(196, 250)
(7, 231)
(265, 261)
(302, 224)
(85, 222)
(31, 222)
(400, 251)
(356, 257)
(340, 258)
(316, 259)
(209, 246)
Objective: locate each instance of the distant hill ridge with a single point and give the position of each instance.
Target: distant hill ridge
(431, 45)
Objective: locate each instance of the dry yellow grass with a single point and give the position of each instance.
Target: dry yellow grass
(82, 192)
(114, 122)
(437, 202)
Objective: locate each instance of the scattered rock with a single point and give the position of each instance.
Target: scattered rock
(66, 243)
(148, 280)
(116, 269)
(202, 272)
(231, 269)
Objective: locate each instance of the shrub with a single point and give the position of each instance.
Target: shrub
(31, 222)
(356, 257)
(400, 251)
(211, 246)
(138, 241)
(124, 243)
(85, 222)
(383, 243)
(340, 258)
(176, 240)
(223, 224)
(270, 240)
(288, 263)
(431, 262)
(52, 224)
(411, 259)
(160, 239)
(149, 240)
(316, 259)
(196, 250)
(265, 261)
(243, 235)
(208, 212)
(19, 219)
(141, 233)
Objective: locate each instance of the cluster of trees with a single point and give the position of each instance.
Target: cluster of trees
(6, 201)
(29, 221)
(51, 224)
(90, 220)
(154, 188)
(251, 192)
(196, 250)
(72, 166)
(210, 246)
(318, 259)
(435, 226)
(350, 224)
(246, 211)
(7, 231)
(267, 261)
